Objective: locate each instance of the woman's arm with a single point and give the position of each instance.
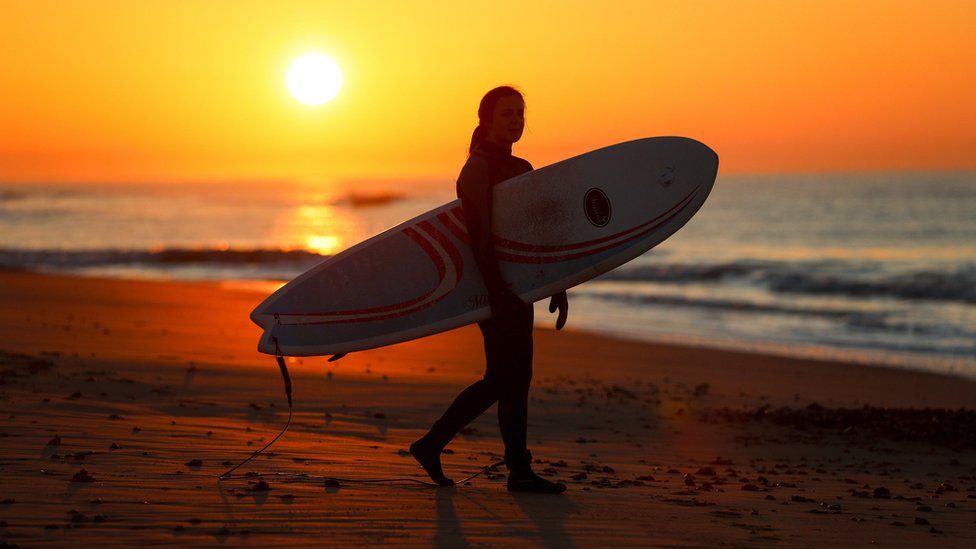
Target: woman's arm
(476, 200)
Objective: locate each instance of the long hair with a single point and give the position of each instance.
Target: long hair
(485, 111)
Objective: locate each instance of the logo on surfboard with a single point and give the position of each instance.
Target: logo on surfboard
(597, 207)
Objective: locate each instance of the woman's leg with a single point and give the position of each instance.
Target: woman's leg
(471, 403)
(508, 375)
(513, 406)
(512, 350)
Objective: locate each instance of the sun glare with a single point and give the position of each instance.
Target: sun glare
(323, 244)
(314, 79)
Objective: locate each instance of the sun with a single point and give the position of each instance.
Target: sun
(314, 79)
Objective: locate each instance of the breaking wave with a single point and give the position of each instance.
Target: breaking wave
(80, 259)
(957, 284)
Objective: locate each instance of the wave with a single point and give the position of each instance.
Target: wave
(878, 321)
(68, 259)
(816, 278)
(827, 278)
(943, 286)
(724, 304)
(679, 273)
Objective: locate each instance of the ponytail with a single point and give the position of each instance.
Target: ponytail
(477, 138)
(485, 111)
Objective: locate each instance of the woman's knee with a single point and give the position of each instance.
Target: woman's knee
(509, 384)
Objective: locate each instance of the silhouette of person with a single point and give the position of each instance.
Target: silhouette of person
(508, 333)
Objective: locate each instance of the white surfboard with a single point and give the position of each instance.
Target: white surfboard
(553, 228)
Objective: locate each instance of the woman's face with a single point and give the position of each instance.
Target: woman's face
(508, 120)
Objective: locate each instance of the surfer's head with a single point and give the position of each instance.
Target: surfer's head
(501, 117)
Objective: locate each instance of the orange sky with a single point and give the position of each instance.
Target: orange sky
(184, 90)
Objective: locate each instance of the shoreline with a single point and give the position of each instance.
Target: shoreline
(133, 381)
(875, 358)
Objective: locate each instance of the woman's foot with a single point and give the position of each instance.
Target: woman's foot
(428, 455)
(531, 482)
(522, 479)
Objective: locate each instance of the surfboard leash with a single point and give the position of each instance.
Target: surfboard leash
(480, 472)
(287, 378)
(226, 475)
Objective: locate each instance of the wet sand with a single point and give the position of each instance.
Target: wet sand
(152, 388)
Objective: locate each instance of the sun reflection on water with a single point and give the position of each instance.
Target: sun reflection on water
(325, 244)
(318, 226)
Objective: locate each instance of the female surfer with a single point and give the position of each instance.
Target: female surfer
(508, 333)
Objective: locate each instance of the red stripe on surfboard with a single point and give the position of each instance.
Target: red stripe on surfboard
(524, 247)
(398, 314)
(529, 259)
(446, 243)
(461, 233)
(431, 251)
(441, 272)
(457, 231)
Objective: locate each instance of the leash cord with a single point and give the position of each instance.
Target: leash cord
(226, 475)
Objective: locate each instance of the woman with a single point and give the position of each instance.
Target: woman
(508, 333)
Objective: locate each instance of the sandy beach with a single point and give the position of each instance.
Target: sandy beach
(123, 400)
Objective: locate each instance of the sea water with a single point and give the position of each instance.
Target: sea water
(875, 268)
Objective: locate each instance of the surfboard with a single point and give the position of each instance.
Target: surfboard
(553, 228)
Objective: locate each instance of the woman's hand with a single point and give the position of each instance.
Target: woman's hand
(559, 301)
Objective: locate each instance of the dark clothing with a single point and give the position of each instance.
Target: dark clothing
(488, 165)
(508, 340)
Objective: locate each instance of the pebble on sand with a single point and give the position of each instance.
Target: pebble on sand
(82, 476)
(56, 441)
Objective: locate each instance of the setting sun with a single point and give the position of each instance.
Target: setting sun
(314, 79)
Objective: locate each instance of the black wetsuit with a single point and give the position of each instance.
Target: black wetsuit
(508, 334)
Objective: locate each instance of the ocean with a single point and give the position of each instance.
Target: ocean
(873, 268)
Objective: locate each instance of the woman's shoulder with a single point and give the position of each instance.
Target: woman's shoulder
(524, 163)
(474, 167)
(476, 161)
(474, 175)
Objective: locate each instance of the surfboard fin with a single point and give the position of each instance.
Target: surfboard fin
(334, 358)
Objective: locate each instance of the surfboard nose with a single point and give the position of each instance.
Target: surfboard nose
(690, 164)
(712, 158)
(702, 162)
(700, 151)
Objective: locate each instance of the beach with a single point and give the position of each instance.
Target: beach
(122, 401)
